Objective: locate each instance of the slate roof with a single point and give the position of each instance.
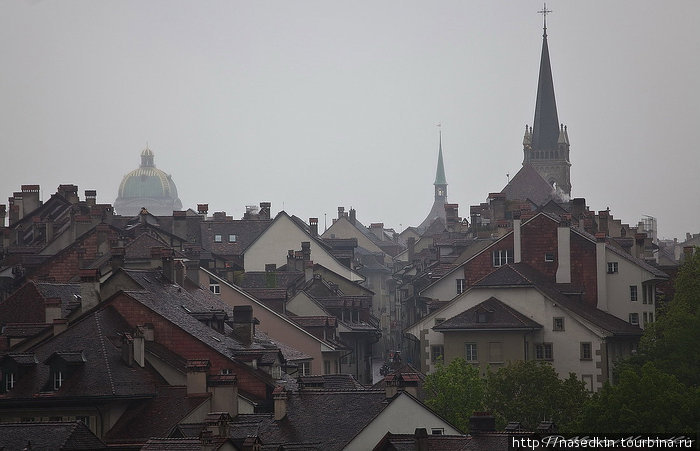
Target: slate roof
(345, 413)
(274, 279)
(67, 292)
(500, 316)
(154, 417)
(482, 442)
(521, 274)
(246, 231)
(329, 382)
(527, 183)
(24, 330)
(48, 436)
(97, 338)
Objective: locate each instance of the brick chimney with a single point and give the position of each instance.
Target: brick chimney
(306, 250)
(243, 323)
(69, 192)
(265, 208)
(353, 216)
(308, 270)
(30, 198)
(341, 212)
(52, 310)
(280, 398)
(603, 217)
(91, 197)
(203, 209)
(3, 215)
(601, 272)
(313, 225)
(224, 393)
(517, 240)
(117, 260)
(197, 376)
(451, 214)
(563, 274)
(89, 289)
(133, 348)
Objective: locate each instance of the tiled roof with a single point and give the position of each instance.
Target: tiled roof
(50, 435)
(67, 292)
(267, 294)
(499, 316)
(521, 274)
(103, 372)
(528, 184)
(140, 247)
(315, 321)
(154, 417)
(345, 413)
(329, 382)
(24, 330)
(274, 279)
(246, 231)
(482, 442)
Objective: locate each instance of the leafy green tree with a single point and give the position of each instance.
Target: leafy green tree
(672, 341)
(455, 391)
(531, 391)
(645, 400)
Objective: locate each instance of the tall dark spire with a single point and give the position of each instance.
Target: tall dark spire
(545, 128)
(440, 172)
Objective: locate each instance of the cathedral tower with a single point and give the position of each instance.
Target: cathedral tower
(546, 143)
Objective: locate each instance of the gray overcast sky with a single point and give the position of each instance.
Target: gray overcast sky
(316, 104)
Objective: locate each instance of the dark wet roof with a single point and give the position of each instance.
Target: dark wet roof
(245, 230)
(498, 316)
(97, 339)
(345, 413)
(154, 417)
(24, 330)
(329, 382)
(48, 436)
(67, 292)
(527, 183)
(521, 274)
(272, 279)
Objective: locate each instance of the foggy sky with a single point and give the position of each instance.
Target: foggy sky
(315, 104)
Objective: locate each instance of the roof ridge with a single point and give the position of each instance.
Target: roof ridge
(104, 352)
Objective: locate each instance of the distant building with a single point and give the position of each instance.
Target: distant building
(147, 187)
(438, 208)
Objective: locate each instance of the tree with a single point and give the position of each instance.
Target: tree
(531, 391)
(671, 342)
(455, 391)
(643, 400)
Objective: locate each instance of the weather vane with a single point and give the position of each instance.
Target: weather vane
(544, 11)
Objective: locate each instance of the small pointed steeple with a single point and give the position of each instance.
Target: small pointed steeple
(440, 173)
(546, 124)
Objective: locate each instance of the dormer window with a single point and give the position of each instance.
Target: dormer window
(57, 380)
(62, 365)
(9, 381)
(12, 367)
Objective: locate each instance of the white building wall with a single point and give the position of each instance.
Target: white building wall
(618, 289)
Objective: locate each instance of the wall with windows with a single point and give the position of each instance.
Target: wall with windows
(630, 290)
(486, 349)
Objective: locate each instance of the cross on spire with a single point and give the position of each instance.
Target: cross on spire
(544, 11)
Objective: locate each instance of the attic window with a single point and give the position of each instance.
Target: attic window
(232, 238)
(502, 257)
(217, 238)
(57, 379)
(549, 257)
(9, 381)
(612, 267)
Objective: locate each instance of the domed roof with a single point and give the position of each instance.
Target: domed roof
(147, 187)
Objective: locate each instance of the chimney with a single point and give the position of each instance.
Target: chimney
(91, 197)
(168, 265)
(217, 425)
(280, 397)
(224, 393)
(197, 376)
(69, 192)
(341, 212)
(390, 385)
(563, 274)
(203, 209)
(117, 260)
(306, 250)
(146, 330)
(517, 241)
(3, 214)
(308, 270)
(192, 268)
(52, 310)
(578, 207)
(481, 422)
(497, 202)
(377, 228)
(290, 260)
(59, 325)
(89, 289)
(601, 272)
(603, 217)
(243, 323)
(421, 439)
(353, 215)
(30, 198)
(264, 210)
(128, 349)
(411, 249)
(139, 344)
(451, 214)
(313, 224)
(270, 267)
(16, 210)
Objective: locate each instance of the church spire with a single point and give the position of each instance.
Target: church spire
(545, 128)
(440, 172)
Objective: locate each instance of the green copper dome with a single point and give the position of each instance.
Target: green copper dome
(147, 187)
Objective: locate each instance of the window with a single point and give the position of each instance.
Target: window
(647, 294)
(215, 288)
(633, 293)
(586, 351)
(651, 317)
(612, 267)
(549, 257)
(470, 349)
(226, 371)
(304, 368)
(326, 367)
(437, 431)
(217, 238)
(502, 257)
(543, 351)
(57, 380)
(437, 353)
(496, 352)
(232, 238)
(482, 316)
(461, 285)
(634, 319)
(9, 381)
(587, 380)
(558, 324)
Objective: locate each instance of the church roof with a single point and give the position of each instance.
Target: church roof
(528, 184)
(545, 130)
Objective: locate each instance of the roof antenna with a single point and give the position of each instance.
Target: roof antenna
(508, 176)
(544, 13)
